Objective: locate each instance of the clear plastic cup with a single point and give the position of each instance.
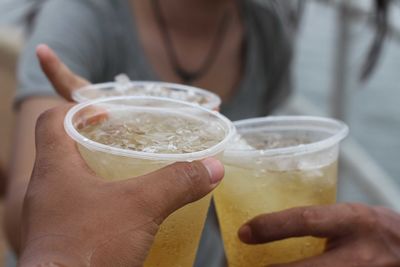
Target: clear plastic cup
(274, 164)
(186, 93)
(124, 137)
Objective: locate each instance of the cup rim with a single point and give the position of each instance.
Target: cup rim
(213, 104)
(95, 146)
(341, 132)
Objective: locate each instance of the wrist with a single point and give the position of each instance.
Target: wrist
(52, 252)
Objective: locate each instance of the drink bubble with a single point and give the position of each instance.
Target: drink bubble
(259, 144)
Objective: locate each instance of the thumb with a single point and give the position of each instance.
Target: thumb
(61, 77)
(174, 186)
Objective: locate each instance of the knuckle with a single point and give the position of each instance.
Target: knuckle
(355, 210)
(46, 122)
(310, 216)
(44, 118)
(187, 171)
(47, 118)
(52, 114)
(364, 216)
(190, 175)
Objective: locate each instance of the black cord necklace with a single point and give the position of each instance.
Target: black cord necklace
(188, 77)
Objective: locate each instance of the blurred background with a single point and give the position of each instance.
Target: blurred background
(332, 41)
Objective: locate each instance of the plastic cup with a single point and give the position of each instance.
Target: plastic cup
(186, 93)
(277, 163)
(108, 153)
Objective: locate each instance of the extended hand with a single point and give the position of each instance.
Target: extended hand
(72, 217)
(358, 235)
(61, 77)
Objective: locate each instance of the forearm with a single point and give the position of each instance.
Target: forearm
(22, 160)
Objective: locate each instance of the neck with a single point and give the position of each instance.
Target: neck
(177, 8)
(191, 14)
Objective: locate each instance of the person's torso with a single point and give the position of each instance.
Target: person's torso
(265, 77)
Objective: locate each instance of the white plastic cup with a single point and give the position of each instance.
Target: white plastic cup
(177, 241)
(185, 93)
(277, 163)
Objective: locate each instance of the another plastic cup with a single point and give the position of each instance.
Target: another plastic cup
(185, 93)
(124, 137)
(277, 163)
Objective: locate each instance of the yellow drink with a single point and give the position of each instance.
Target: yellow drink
(121, 138)
(277, 163)
(246, 193)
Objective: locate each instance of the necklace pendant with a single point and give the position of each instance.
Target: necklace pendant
(186, 76)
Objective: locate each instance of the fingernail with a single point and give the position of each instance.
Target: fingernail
(215, 169)
(41, 47)
(245, 234)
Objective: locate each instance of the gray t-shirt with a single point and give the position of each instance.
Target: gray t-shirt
(98, 40)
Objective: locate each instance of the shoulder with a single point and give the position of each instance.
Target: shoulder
(264, 23)
(272, 39)
(279, 6)
(73, 18)
(63, 9)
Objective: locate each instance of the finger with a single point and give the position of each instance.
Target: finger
(318, 221)
(176, 185)
(61, 77)
(53, 145)
(333, 258)
(90, 115)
